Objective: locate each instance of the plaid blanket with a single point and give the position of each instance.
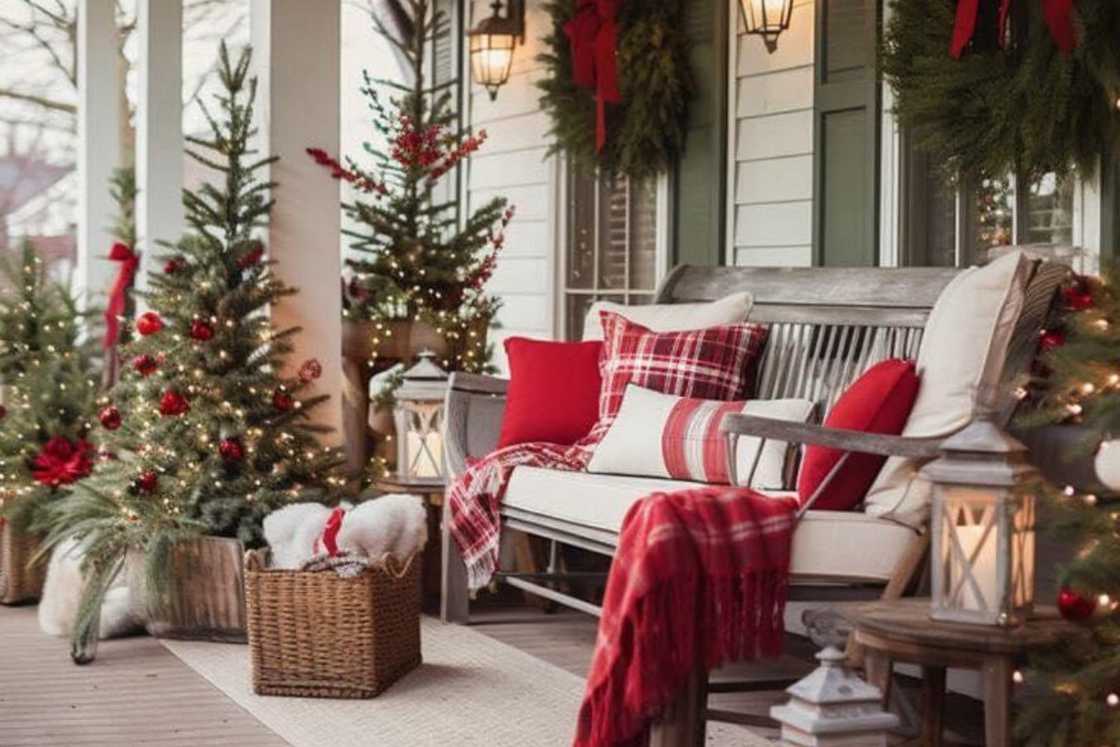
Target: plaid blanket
(699, 578)
(476, 497)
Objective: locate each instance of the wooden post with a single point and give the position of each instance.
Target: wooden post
(296, 57)
(99, 144)
(159, 129)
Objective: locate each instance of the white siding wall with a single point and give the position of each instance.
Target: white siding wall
(771, 130)
(512, 164)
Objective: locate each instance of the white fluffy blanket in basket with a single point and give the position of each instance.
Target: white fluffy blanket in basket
(395, 524)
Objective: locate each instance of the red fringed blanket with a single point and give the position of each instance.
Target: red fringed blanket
(699, 578)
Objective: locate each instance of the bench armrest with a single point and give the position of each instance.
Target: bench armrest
(472, 419)
(837, 438)
(848, 441)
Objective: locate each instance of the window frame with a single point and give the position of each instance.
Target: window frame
(561, 291)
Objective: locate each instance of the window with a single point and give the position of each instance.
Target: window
(614, 244)
(949, 227)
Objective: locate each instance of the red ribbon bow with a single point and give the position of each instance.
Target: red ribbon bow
(1058, 15)
(130, 263)
(329, 538)
(593, 35)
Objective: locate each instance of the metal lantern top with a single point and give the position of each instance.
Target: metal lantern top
(981, 454)
(424, 382)
(833, 706)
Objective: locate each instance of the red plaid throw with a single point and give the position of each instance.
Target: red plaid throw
(712, 363)
(699, 579)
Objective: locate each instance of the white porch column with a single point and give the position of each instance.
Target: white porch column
(159, 128)
(99, 145)
(296, 57)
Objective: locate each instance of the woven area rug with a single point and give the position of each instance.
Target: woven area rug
(470, 690)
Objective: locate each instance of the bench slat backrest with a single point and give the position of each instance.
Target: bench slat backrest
(828, 325)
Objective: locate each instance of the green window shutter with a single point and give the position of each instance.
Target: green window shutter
(846, 134)
(699, 181)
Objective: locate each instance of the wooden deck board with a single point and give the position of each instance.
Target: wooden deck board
(136, 693)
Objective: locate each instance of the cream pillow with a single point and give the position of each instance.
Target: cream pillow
(963, 351)
(661, 435)
(672, 317)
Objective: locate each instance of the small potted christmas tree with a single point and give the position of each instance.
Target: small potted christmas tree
(203, 435)
(48, 391)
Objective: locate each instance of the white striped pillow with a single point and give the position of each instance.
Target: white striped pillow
(660, 435)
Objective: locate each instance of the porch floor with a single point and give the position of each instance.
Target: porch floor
(138, 692)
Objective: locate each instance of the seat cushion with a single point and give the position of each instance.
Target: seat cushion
(826, 544)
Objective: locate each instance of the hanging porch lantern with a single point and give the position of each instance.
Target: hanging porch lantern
(418, 416)
(983, 528)
(492, 43)
(767, 18)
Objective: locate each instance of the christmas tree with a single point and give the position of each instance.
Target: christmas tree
(202, 434)
(1072, 694)
(415, 259)
(49, 390)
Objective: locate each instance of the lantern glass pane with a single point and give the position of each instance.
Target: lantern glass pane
(419, 441)
(984, 554)
(491, 59)
(766, 17)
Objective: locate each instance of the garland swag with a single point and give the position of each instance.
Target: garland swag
(1013, 105)
(645, 131)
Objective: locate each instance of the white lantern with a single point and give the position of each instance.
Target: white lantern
(983, 528)
(832, 707)
(418, 416)
(767, 18)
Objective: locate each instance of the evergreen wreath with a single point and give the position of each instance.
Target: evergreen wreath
(1027, 109)
(646, 131)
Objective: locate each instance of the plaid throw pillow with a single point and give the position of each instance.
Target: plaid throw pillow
(713, 363)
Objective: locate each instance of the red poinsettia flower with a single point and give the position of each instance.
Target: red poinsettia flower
(62, 461)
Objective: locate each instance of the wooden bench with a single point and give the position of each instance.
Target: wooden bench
(827, 325)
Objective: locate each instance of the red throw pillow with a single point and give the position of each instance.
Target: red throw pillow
(879, 401)
(553, 391)
(712, 363)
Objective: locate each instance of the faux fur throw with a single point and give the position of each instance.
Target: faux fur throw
(699, 579)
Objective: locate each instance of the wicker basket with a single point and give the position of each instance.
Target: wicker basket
(207, 599)
(20, 581)
(316, 634)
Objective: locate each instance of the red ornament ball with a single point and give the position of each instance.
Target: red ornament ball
(310, 370)
(110, 418)
(173, 265)
(282, 401)
(251, 257)
(201, 330)
(149, 323)
(145, 365)
(173, 403)
(147, 482)
(1075, 607)
(231, 450)
(1051, 339)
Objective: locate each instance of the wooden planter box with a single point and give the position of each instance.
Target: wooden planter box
(207, 598)
(20, 581)
(316, 634)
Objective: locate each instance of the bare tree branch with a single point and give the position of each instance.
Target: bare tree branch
(41, 101)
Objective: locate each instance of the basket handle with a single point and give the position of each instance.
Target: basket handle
(254, 560)
(388, 561)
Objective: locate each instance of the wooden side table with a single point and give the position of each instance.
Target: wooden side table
(432, 494)
(902, 631)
